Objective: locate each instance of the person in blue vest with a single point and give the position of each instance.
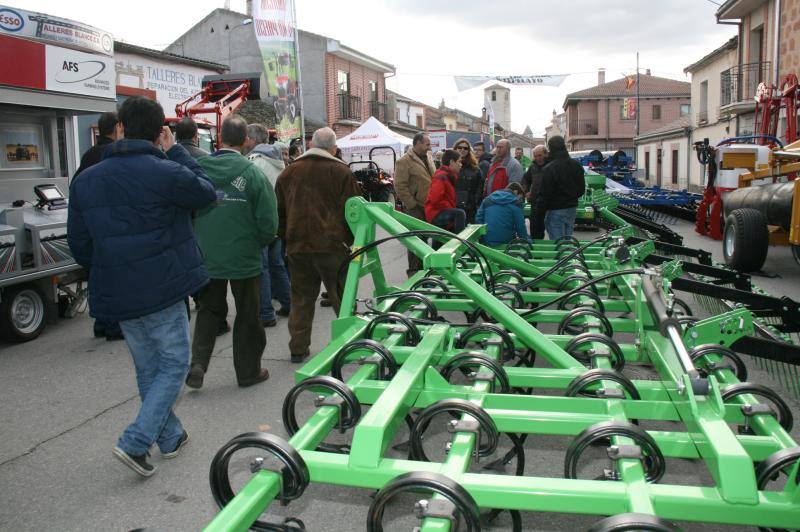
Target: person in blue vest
(501, 211)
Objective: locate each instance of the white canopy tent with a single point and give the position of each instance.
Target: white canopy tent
(372, 134)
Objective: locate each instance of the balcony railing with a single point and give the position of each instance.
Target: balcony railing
(739, 83)
(378, 110)
(583, 127)
(349, 107)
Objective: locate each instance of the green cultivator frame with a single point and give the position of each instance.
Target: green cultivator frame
(493, 347)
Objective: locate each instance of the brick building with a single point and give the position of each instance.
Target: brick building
(595, 118)
(341, 86)
(764, 55)
(355, 88)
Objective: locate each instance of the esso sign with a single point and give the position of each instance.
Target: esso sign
(10, 20)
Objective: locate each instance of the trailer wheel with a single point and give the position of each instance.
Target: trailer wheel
(22, 313)
(745, 241)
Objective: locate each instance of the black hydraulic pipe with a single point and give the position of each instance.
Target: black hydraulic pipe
(655, 298)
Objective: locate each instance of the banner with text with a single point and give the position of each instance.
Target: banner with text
(470, 82)
(628, 108)
(172, 82)
(64, 32)
(273, 22)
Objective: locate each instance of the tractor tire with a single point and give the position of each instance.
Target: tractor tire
(23, 313)
(745, 240)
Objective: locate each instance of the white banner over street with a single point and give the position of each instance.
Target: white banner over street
(547, 80)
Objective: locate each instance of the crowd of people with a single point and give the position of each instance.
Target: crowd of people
(158, 221)
(467, 185)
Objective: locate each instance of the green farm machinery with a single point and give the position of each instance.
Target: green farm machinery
(438, 387)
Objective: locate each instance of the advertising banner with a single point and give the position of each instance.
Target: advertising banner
(629, 108)
(64, 32)
(273, 22)
(546, 80)
(438, 140)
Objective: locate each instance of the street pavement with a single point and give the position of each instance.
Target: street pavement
(66, 397)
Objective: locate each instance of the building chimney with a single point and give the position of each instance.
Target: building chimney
(249, 9)
(228, 4)
(601, 76)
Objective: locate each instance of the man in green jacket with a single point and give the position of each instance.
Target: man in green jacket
(231, 233)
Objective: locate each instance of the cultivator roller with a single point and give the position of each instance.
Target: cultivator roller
(439, 387)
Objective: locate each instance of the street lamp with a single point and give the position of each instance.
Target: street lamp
(245, 22)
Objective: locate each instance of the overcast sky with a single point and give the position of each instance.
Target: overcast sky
(430, 41)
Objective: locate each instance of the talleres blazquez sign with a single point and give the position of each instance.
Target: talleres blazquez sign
(49, 29)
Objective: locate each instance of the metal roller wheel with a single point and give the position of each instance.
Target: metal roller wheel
(565, 326)
(465, 507)
(783, 414)
(473, 359)
(581, 383)
(412, 334)
(600, 433)
(295, 474)
(387, 367)
(633, 522)
(705, 365)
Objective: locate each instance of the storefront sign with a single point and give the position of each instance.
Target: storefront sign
(77, 72)
(173, 83)
(52, 68)
(64, 32)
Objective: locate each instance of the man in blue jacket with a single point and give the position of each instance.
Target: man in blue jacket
(130, 225)
(501, 211)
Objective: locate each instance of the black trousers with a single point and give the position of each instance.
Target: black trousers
(537, 223)
(249, 339)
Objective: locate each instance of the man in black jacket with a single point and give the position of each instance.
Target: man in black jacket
(562, 186)
(186, 135)
(109, 129)
(532, 184)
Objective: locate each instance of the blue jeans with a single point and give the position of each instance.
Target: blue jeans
(559, 222)
(456, 217)
(159, 346)
(274, 280)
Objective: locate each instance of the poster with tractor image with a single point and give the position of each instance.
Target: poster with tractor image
(273, 22)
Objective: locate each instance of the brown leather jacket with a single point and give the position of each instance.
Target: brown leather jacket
(311, 194)
(412, 179)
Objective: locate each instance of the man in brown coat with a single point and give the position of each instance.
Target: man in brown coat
(412, 179)
(311, 195)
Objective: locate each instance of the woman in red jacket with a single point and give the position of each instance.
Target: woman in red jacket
(440, 206)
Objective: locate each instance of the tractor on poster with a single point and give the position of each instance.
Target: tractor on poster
(281, 71)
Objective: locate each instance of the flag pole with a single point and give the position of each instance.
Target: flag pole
(299, 79)
(637, 95)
